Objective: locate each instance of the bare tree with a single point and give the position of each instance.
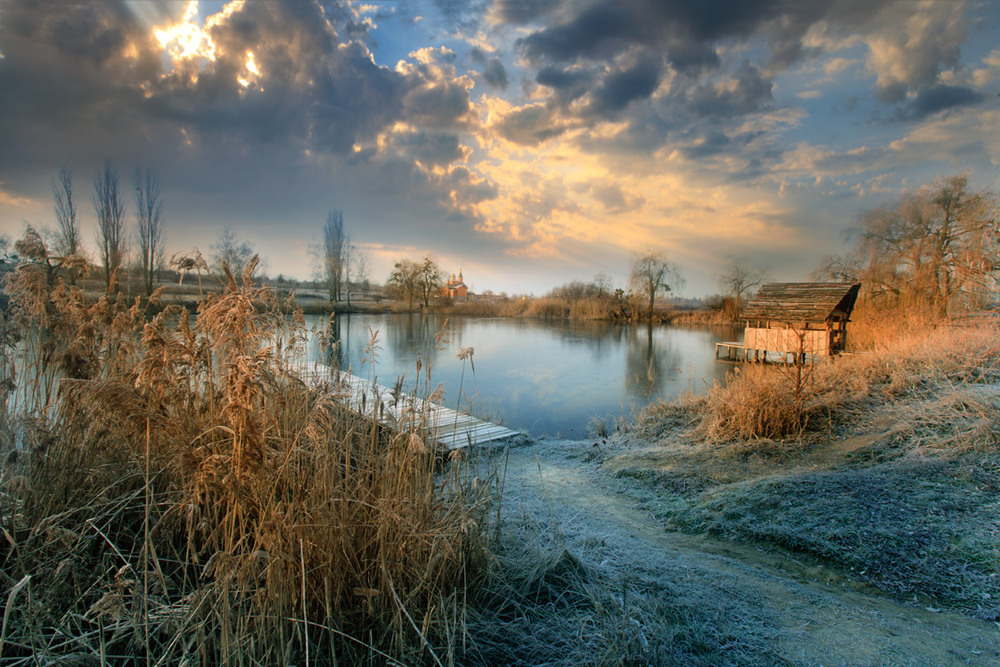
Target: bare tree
(355, 269)
(67, 240)
(333, 254)
(359, 267)
(931, 245)
(740, 280)
(109, 205)
(348, 263)
(149, 220)
(431, 278)
(405, 280)
(231, 252)
(651, 275)
(602, 284)
(841, 268)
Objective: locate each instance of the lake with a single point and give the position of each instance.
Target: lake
(546, 377)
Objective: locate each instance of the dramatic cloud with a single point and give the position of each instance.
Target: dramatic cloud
(495, 133)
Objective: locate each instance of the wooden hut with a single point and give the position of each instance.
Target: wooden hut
(791, 318)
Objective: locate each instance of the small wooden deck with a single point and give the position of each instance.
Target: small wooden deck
(449, 428)
(740, 352)
(740, 348)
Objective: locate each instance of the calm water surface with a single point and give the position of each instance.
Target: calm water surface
(549, 378)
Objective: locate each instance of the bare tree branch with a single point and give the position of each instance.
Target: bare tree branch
(109, 205)
(149, 220)
(67, 227)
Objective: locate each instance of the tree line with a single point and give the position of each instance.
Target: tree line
(936, 248)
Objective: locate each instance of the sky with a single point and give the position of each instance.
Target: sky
(526, 143)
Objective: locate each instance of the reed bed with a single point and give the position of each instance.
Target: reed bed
(172, 492)
(547, 307)
(773, 402)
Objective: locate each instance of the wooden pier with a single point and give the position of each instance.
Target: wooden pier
(740, 349)
(449, 428)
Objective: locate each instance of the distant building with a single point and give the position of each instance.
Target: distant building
(456, 288)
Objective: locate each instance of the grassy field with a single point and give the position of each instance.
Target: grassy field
(887, 468)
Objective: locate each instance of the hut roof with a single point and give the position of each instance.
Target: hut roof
(801, 302)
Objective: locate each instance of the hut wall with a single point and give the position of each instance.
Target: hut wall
(815, 342)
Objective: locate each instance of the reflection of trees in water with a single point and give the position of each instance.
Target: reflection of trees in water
(648, 366)
(598, 336)
(334, 342)
(415, 336)
(406, 338)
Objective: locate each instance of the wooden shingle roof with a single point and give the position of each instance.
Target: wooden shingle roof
(801, 302)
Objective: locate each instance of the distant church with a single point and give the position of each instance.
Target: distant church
(456, 288)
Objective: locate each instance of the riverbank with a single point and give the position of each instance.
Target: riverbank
(890, 474)
(869, 535)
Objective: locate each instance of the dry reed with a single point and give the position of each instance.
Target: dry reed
(174, 491)
(758, 403)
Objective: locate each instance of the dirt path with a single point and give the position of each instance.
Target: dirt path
(809, 615)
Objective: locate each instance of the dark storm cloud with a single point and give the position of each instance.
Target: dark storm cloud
(713, 144)
(442, 104)
(636, 82)
(521, 12)
(687, 32)
(495, 74)
(568, 84)
(429, 148)
(468, 188)
(65, 82)
(81, 80)
(746, 92)
(613, 53)
(936, 99)
(597, 30)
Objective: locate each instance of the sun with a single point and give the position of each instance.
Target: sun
(186, 40)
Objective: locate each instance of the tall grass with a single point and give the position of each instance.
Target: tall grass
(173, 491)
(759, 403)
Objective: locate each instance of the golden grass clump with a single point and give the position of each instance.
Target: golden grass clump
(594, 308)
(754, 402)
(548, 307)
(172, 489)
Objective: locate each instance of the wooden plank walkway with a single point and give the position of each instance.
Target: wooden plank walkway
(449, 428)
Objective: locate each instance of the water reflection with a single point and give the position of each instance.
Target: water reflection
(649, 367)
(546, 377)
